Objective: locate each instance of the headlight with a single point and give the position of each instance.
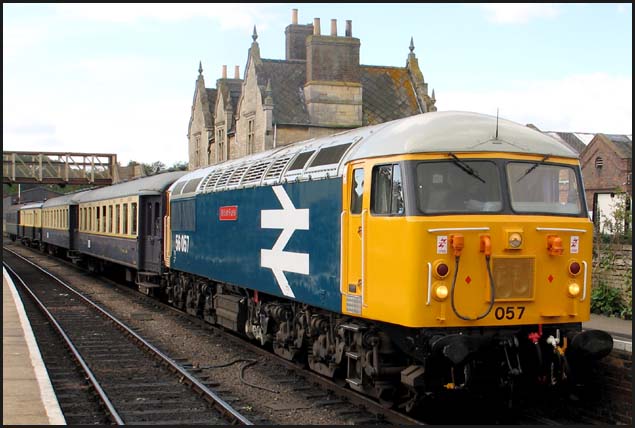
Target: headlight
(574, 289)
(440, 292)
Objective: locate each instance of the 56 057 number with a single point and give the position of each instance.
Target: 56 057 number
(509, 312)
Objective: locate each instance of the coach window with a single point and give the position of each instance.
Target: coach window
(387, 190)
(133, 225)
(149, 218)
(117, 218)
(157, 219)
(357, 191)
(110, 222)
(125, 219)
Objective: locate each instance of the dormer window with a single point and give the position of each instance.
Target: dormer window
(599, 163)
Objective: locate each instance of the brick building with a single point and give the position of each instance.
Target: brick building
(607, 171)
(320, 88)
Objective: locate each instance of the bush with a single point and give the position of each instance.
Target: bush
(606, 300)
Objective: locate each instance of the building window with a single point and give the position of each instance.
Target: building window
(599, 163)
(250, 137)
(221, 144)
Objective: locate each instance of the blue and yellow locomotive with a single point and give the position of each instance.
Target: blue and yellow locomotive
(422, 254)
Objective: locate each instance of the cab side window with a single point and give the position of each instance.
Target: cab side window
(387, 190)
(357, 191)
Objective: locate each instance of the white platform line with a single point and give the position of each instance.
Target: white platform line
(623, 345)
(49, 399)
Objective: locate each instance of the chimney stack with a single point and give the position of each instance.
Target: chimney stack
(294, 16)
(334, 27)
(224, 72)
(236, 72)
(316, 27)
(349, 28)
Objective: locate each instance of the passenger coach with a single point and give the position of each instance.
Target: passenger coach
(59, 225)
(30, 230)
(11, 222)
(122, 224)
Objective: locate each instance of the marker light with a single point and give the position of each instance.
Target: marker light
(554, 245)
(440, 269)
(440, 292)
(574, 268)
(574, 289)
(515, 240)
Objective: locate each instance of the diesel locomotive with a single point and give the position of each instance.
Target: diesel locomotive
(445, 251)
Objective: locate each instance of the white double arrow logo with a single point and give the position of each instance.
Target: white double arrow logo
(289, 219)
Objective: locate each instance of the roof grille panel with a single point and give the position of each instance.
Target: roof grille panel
(276, 169)
(237, 175)
(212, 179)
(222, 180)
(256, 172)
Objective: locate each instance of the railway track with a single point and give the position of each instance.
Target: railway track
(135, 382)
(352, 407)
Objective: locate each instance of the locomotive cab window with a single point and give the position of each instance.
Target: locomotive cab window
(357, 191)
(387, 190)
(544, 188)
(458, 186)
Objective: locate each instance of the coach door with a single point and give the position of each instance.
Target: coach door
(354, 215)
(151, 237)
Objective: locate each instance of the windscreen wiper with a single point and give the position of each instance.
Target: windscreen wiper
(534, 166)
(465, 167)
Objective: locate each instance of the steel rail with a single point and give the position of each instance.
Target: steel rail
(114, 415)
(209, 395)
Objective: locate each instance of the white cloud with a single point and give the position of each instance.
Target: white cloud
(593, 103)
(18, 38)
(229, 15)
(99, 110)
(518, 13)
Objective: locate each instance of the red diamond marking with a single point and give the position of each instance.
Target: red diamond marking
(550, 278)
(468, 279)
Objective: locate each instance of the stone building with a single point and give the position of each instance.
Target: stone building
(320, 88)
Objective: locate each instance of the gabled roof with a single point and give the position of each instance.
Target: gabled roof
(211, 100)
(572, 141)
(622, 143)
(287, 89)
(387, 94)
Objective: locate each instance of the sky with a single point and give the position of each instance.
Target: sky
(119, 78)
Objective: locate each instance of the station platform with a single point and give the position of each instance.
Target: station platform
(621, 330)
(27, 395)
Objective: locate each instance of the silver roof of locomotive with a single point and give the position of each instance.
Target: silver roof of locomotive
(437, 132)
(144, 186)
